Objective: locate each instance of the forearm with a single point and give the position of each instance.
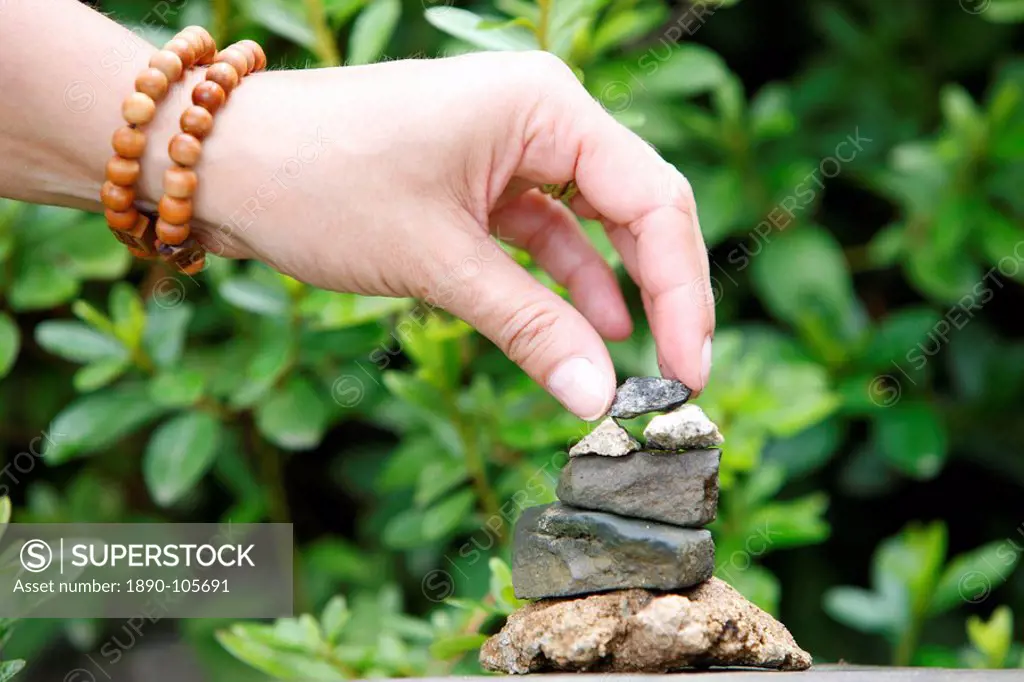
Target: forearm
(64, 71)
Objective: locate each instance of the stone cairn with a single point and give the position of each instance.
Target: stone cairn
(622, 567)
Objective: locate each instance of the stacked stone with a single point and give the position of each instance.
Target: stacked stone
(621, 565)
(629, 515)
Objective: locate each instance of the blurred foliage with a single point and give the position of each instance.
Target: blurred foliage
(858, 169)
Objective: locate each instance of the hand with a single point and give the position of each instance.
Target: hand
(390, 179)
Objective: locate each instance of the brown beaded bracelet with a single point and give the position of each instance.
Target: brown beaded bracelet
(191, 46)
(174, 243)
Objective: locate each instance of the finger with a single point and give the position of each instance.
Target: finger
(551, 234)
(624, 180)
(625, 244)
(536, 329)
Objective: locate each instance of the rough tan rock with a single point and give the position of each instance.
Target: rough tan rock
(643, 631)
(686, 428)
(607, 439)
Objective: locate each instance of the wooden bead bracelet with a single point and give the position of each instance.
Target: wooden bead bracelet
(174, 243)
(190, 46)
(144, 234)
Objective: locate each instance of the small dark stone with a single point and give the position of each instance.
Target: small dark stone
(681, 489)
(640, 395)
(560, 551)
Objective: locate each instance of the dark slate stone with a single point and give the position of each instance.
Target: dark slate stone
(640, 395)
(560, 551)
(676, 488)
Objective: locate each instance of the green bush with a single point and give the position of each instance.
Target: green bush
(858, 168)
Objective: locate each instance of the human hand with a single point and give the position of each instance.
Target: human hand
(389, 180)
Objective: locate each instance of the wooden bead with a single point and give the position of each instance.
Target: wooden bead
(194, 265)
(250, 57)
(258, 53)
(223, 75)
(175, 211)
(124, 172)
(209, 96)
(180, 183)
(129, 142)
(209, 45)
(121, 220)
(183, 49)
(236, 58)
(171, 234)
(168, 63)
(197, 121)
(194, 39)
(116, 197)
(185, 150)
(138, 108)
(152, 82)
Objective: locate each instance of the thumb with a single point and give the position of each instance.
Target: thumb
(535, 328)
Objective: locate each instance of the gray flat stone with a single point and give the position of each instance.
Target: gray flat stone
(640, 631)
(686, 428)
(640, 395)
(607, 439)
(676, 488)
(560, 551)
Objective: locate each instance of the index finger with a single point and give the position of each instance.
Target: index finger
(630, 185)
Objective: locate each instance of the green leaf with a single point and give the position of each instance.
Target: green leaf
(128, 314)
(99, 374)
(438, 477)
(334, 618)
(87, 313)
(283, 18)
(9, 669)
(38, 285)
(803, 278)
(444, 517)
(1004, 11)
(405, 530)
(456, 645)
(76, 342)
(465, 25)
(993, 638)
(293, 417)
(166, 329)
(340, 11)
(970, 577)
(10, 343)
(99, 420)
(959, 110)
(272, 358)
(862, 610)
(277, 662)
(255, 296)
(179, 453)
(501, 589)
(897, 339)
(791, 523)
(416, 392)
(177, 388)
(771, 114)
(912, 437)
(373, 30)
(626, 26)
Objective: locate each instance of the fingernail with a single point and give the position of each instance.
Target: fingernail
(705, 363)
(582, 388)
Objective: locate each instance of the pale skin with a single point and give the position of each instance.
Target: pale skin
(390, 180)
